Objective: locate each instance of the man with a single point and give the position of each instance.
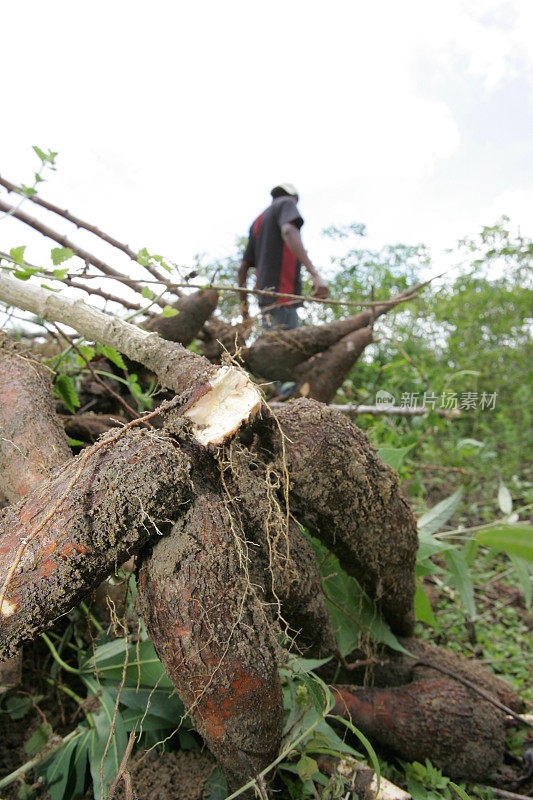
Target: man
(276, 252)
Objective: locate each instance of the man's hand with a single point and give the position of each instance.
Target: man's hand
(291, 236)
(320, 288)
(243, 306)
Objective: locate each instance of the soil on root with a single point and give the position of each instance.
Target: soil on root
(346, 496)
(206, 619)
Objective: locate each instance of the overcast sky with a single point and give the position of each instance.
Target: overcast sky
(173, 120)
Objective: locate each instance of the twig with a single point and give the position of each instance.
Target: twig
(79, 223)
(505, 794)
(439, 468)
(393, 301)
(89, 258)
(379, 410)
(110, 298)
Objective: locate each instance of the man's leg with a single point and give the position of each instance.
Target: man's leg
(280, 318)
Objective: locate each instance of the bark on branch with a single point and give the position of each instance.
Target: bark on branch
(217, 400)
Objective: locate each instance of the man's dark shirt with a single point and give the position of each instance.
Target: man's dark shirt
(277, 268)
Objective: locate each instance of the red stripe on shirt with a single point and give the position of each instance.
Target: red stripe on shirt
(287, 277)
(257, 225)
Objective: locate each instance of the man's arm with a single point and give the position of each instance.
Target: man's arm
(293, 240)
(241, 282)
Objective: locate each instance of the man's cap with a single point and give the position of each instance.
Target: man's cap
(284, 188)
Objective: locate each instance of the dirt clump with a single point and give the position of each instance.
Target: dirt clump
(170, 776)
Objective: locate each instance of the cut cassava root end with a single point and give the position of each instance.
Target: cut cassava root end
(231, 401)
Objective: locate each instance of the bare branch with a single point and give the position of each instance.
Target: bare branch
(79, 223)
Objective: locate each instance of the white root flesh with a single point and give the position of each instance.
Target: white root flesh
(232, 401)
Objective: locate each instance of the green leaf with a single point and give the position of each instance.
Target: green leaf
(505, 501)
(111, 354)
(42, 155)
(160, 703)
(511, 539)
(357, 612)
(469, 447)
(60, 273)
(423, 610)
(17, 254)
(109, 660)
(315, 692)
(215, 787)
(37, 740)
(17, 707)
(460, 791)
(87, 352)
(79, 762)
(75, 442)
(437, 516)
(143, 257)
(462, 579)
(60, 254)
(523, 572)
(307, 767)
(168, 311)
(104, 765)
(147, 293)
(393, 456)
(65, 387)
(56, 771)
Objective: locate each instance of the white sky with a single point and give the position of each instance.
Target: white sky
(173, 120)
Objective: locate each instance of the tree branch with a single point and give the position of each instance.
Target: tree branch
(218, 400)
(79, 223)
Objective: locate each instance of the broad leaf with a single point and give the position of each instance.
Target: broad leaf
(168, 311)
(17, 254)
(423, 610)
(111, 354)
(105, 760)
(215, 787)
(462, 579)
(56, 770)
(37, 740)
(393, 456)
(65, 387)
(60, 254)
(437, 516)
(511, 539)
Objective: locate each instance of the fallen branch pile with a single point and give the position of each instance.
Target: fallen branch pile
(210, 500)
